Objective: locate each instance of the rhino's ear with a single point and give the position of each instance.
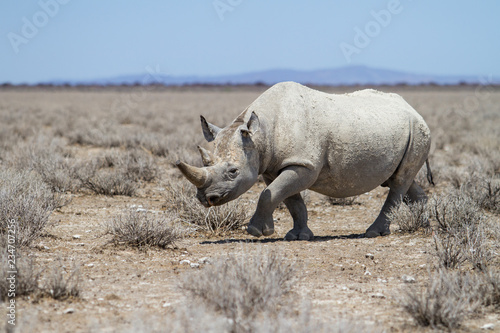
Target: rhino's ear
(252, 126)
(210, 131)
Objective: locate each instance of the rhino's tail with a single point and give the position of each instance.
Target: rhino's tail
(429, 173)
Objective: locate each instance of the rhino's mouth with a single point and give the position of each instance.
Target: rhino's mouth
(214, 200)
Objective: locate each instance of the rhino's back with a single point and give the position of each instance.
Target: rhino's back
(356, 140)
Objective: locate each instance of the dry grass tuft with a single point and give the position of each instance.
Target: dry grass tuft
(461, 232)
(47, 157)
(181, 197)
(486, 193)
(143, 229)
(117, 173)
(447, 300)
(455, 211)
(27, 201)
(135, 163)
(61, 283)
(26, 278)
(242, 287)
(105, 181)
(410, 217)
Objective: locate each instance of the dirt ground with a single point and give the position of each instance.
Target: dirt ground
(342, 273)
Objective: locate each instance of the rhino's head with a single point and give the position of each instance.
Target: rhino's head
(232, 168)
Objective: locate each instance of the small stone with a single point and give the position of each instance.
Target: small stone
(141, 210)
(381, 280)
(408, 279)
(378, 295)
(488, 327)
(77, 236)
(185, 261)
(69, 310)
(90, 265)
(195, 265)
(100, 299)
(166, 305)
(369, 256)
(368, 273)
(46, 247)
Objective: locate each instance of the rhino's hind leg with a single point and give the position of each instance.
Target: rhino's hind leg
(381, 225)
(298, 210)
(415, 194)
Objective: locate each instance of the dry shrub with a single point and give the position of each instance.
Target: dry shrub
(453, 248)
(461, 232)
(449, 250)
(48, 158)
(410, 217)
(455, 211)
(155, 143)
(61, 284)
(242, 287)
(181, 197)
(26, 200)
(490, 288)
(138, 228)
(446, 301)
(117, 173)
(486, 193)
(100, 133)
(138, 164)
(106, 181)
(26, 278)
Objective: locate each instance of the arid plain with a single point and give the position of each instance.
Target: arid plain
(105, 155)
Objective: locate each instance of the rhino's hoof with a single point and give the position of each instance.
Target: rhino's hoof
(373, 233)
(268, 232)
(303, 234)
(254, 231)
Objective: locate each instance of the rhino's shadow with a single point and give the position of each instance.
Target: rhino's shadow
(274, 240)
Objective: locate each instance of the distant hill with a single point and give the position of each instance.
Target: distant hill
(351, 75)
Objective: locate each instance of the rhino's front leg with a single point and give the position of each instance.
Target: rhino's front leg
(291, 181)
(298, 210)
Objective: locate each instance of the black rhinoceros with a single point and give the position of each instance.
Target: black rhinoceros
(298, 138)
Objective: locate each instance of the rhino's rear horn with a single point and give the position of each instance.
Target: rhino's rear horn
(206, 156)
(197, 176)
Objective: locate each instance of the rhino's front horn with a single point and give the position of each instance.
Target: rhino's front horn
(197, 176)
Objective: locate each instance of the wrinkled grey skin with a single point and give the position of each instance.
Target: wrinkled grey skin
(298, 138)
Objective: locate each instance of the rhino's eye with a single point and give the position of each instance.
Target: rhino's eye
(233, 172)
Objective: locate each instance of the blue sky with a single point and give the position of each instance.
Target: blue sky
(87, 39)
